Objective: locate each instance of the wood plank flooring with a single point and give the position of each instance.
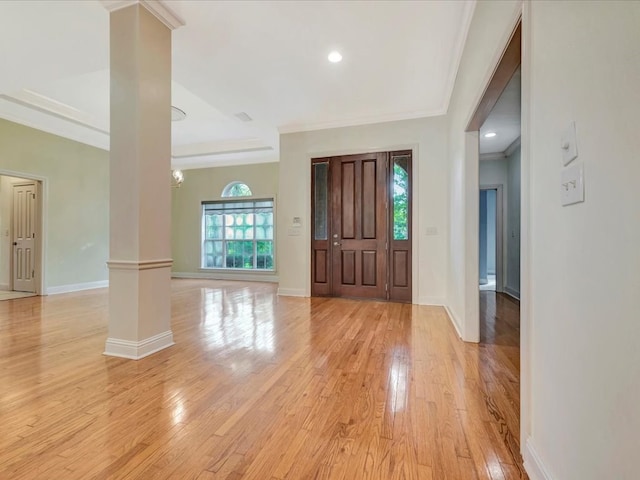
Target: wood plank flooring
(256, 387)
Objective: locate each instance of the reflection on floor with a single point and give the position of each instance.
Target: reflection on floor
(9, 295)
(257, 386)
(490, 285)
(499, 319)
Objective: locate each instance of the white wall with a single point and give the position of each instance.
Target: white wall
(581, 264)
(493, 172)
(76, 200)
(512, 230)
(427, 136)
(585, 259)
(491, 231)
(490, 30)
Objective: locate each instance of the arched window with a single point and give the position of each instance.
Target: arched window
(238, 233)
(236, 189)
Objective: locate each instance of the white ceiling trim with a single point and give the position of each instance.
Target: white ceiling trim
(227, 160)
(156, 7)
(87, 137)
(44, 104)
(492, 156)
(217, 148)
(457, 52)
(225, 152)
(354, 122)
(512, 148)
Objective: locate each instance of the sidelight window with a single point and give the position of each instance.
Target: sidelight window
(401, 197)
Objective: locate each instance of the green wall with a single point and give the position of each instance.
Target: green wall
(76, 178)
(207, 184)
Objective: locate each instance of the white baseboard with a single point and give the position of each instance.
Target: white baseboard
(533, 464)
(5, 286)
(454, 320)
(512, 293)
(239, 276)
(115, 347)
(76, 287)
(435, 301)
(292, 292)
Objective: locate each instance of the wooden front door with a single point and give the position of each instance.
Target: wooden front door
(354, 253)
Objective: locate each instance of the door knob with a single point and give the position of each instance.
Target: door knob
(15, 244)
(336, 244)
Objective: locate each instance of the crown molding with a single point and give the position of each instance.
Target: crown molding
(220, 148)
(80, 135)
(512, 148)
(49, 106)
(492, 156)
(156, 7)
(354, 122)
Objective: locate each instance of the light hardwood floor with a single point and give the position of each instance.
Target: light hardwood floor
(256, 387)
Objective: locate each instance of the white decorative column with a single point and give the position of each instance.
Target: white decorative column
(140, 179)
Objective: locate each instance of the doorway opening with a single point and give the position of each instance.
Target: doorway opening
(497, 120)
(361, 226)
(490, 238)
(495, 129)
(20, 237)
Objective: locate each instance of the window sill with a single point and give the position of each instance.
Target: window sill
(230, 274)
(237, 270)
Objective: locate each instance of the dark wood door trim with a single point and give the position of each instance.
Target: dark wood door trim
(509, 63)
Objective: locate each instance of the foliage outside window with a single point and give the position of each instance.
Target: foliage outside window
(237, 189)
(238, 234)
(400, 199)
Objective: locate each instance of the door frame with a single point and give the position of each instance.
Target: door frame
(501, 264)
(325, 157)
(471, 324)
(41, 226)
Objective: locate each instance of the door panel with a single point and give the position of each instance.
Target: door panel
(24, 227)
(359, 227)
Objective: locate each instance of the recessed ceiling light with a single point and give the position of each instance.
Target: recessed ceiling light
(490, 134)
(335, 57)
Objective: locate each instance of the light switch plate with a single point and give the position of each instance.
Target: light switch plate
(572, 185)
(569, 144)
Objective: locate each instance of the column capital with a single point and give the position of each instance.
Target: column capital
(156, 7)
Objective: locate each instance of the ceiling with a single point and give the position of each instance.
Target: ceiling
(504, 121)
(266, 59)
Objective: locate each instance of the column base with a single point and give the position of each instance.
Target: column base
(116, 347)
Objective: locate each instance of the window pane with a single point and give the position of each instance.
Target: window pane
(400, 198)
(239, 254)
(238, 234)
(264, 257)
(320, 172)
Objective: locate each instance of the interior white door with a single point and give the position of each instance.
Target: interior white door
(24, 237)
